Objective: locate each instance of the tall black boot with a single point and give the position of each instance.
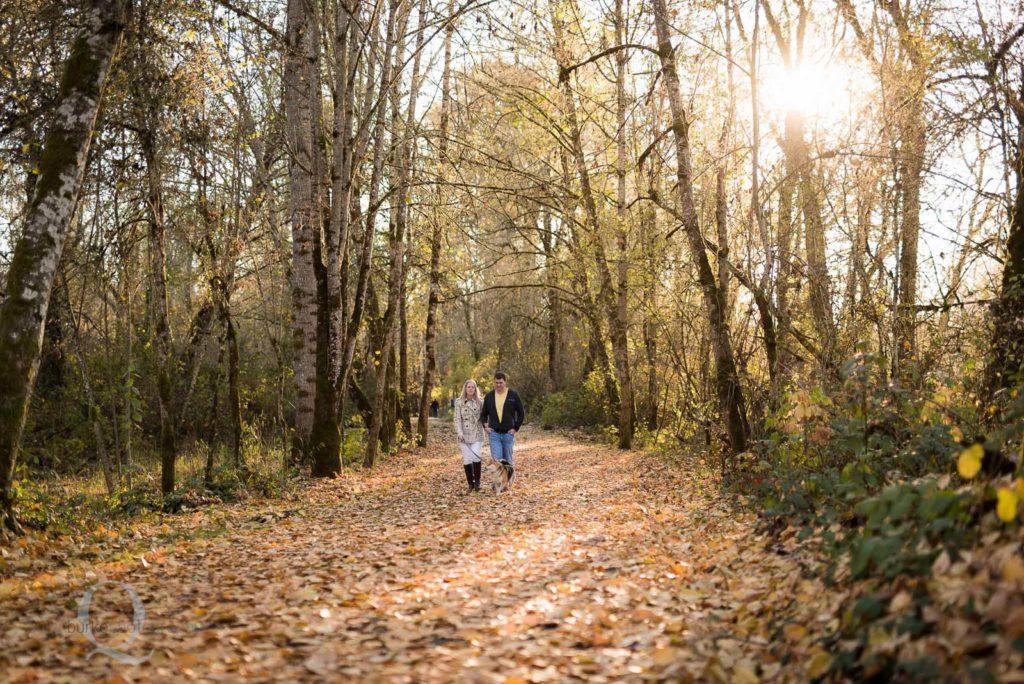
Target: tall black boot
(476, 475)
(468, 467)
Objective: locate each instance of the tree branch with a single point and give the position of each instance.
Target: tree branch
(564, 73)
(246, 14)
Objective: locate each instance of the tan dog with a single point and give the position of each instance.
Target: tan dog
(500, 473)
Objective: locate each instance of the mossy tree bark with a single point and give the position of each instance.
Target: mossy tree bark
(37, 253)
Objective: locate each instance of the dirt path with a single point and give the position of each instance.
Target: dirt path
(601, 566)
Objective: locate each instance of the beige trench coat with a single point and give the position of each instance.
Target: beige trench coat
(467, 420)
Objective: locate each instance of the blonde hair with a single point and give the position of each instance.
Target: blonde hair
(465, 396)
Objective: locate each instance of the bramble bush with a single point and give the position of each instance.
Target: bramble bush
(886, 483)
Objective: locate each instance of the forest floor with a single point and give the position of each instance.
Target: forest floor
(602, 565)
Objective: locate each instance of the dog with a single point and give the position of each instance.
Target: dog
(501, 473)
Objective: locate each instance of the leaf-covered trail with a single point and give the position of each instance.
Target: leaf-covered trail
(601, 565)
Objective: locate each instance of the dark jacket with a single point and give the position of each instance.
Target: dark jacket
(513, 414)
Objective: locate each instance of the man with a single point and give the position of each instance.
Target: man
(502, 415)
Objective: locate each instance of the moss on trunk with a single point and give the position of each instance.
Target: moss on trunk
(38, 252)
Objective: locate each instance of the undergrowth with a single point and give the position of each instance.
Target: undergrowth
(892, 487)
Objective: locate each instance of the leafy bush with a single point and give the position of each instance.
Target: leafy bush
(906, 526)
(884, 481)
(577, 407)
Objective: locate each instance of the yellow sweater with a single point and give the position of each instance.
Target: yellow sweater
(499, 402)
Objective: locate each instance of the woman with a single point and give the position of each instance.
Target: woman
(470, 432)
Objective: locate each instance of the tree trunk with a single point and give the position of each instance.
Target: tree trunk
(397, 20)
(650, 329)
(325, 438)
(727, 381)
(387, 439)
(1006, 368)
(129, 396)
(379, 119)
(554, 304)
(434, 287)
(47, 217)
(800, 173)
(613, 308)
(404, 408)
(212, 426)
(912, 150)
(95, 412)
(597, 354)
(620, 342)
(230, 342)
(158, 307)
(299, 79)
(150, 127)
(911, 89)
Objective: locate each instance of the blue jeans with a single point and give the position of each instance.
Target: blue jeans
(501, 445)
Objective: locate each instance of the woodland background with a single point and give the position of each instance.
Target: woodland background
(786, 236)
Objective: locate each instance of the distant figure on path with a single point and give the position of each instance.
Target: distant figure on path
(470, 432)
(502, 415)
(433, 408)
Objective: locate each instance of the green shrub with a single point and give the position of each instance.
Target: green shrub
(869, 472)
(577, 407)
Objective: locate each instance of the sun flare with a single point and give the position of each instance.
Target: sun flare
(816, 91)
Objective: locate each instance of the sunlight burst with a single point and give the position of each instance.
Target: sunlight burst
(819, 91)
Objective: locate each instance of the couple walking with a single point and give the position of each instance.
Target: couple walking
(500, 415)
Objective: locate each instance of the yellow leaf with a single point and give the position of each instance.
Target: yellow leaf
(956, 433)
(794, 632)
(1006, 506)
(1018, 486)
(969, 462)
(819, 665)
